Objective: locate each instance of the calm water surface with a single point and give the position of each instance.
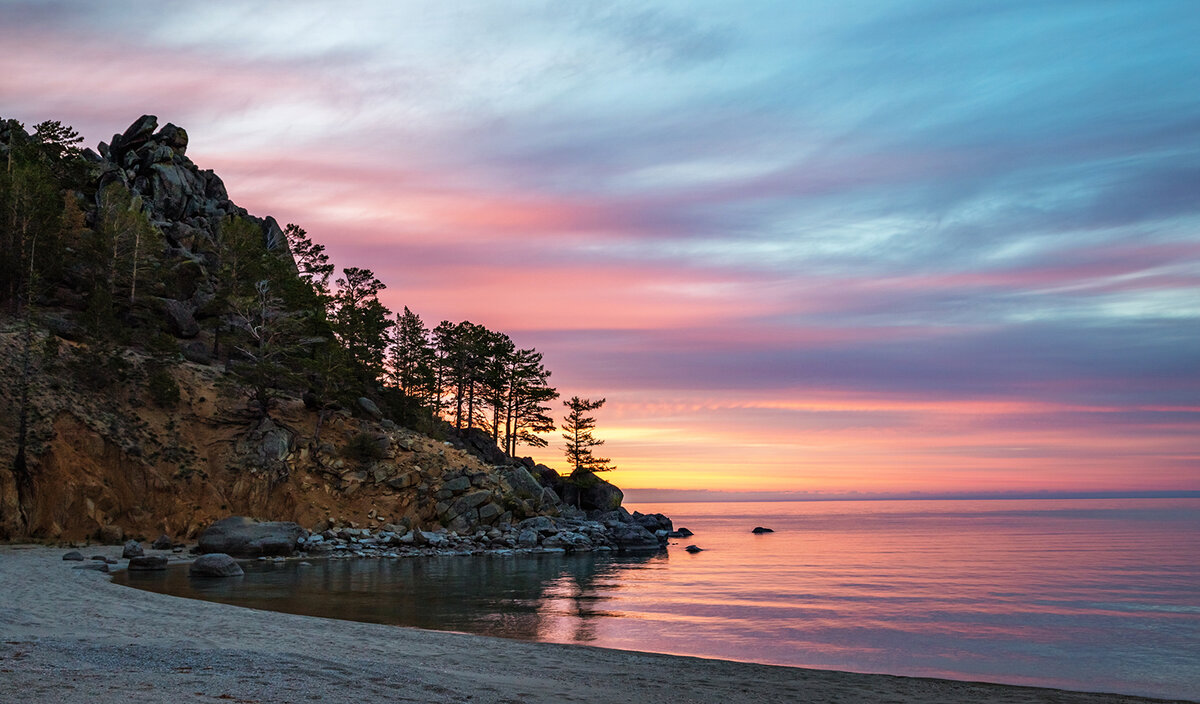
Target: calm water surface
(1100, 595)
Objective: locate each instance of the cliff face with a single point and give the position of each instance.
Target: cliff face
(110, 461)
(134, 441)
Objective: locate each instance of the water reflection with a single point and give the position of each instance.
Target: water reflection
(539, 597)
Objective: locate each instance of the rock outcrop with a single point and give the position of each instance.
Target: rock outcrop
(108, 463)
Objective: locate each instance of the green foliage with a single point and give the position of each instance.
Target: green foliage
(578, 428)
(163, 388)
(362, 447)
(361, 322)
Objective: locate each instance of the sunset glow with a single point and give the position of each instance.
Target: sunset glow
(799, 248)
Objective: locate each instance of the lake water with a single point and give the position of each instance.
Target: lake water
(1097, 595)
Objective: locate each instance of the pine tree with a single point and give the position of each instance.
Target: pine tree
(361, 322)
(579, 439)
(411, 357)
(526, 412)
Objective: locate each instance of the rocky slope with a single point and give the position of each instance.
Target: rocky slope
(112, 455)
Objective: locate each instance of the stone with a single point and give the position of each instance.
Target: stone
(652, 521)
(73, 556)
(97, 566)
(541, 524)
(216, 564)
(528, 538)
(694, 549)
(683, 533)
(368, 406)
(521, 483)
(591, 493)
(174, 137)
(180, 318)
(239, 536)
(404, 481)
(147, 563)
(489, 512)
(634, 538)
(759, 530)
(162, 542)
(132, 549)
(110, 534)
(471, 500)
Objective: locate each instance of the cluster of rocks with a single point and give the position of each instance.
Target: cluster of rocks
(616, 530)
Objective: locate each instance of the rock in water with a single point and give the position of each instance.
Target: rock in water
(685, 533)
(74, 556)
(216, 564)
(132, 549)
(694, 549)
(162, 542)
(759, 530)
(147, 563)
(633, 537)
(244, 537)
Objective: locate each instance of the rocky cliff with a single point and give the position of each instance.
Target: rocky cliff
(135, 440)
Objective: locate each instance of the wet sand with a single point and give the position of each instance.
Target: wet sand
(70, 635)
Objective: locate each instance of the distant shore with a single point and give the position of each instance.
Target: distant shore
(70, 635)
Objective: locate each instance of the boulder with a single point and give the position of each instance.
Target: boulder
(244, 537)
(162, 542)
(147, 563)
(174, 137)
(368, 406)
(759, 530)
(541, 524)
(652, 521)
(457, 485)
(683, 533)
(132, 549)
(694, 549)
(180, 318)
(633, 537)
(521, 483)
(528, 538)
(591, 493)
(216, 564)
(73, 556)
(479, 443)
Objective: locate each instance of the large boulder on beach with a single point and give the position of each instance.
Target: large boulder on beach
(240, 536)
(216, 564)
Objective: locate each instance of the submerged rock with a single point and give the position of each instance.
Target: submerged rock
(147, 563)
(759, 530)
(694, 549)
(73, 556)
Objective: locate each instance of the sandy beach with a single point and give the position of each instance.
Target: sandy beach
(70, 635)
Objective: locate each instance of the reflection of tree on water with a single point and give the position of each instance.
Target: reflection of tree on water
(529, 597)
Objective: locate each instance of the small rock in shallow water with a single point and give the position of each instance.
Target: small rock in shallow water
(215, 564)
(162, 542)
(147, 563)
(132, 549)
(693, 548)
(74, 556)
(759, 530)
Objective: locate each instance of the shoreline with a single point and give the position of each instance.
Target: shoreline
(72, 635)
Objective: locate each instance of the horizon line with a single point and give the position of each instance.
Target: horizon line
(715, 496)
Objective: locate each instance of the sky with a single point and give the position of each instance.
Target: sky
(815, 248)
